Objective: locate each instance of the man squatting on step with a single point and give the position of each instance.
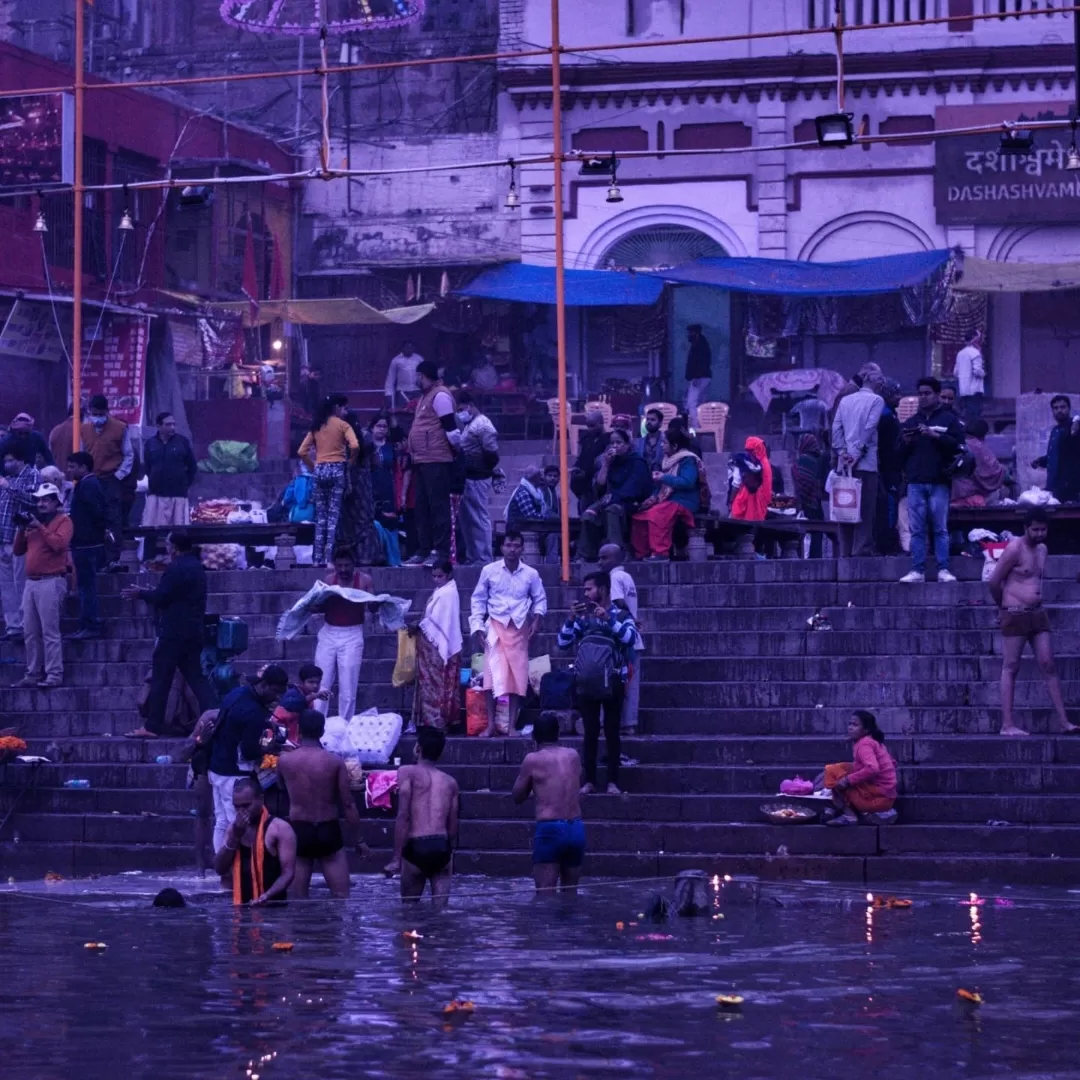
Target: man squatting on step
(1016, 586)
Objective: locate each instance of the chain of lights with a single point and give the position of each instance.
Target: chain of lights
(307, 17)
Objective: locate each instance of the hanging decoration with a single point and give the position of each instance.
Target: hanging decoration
(299, 18)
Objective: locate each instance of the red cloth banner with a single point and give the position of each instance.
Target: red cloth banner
(115, 365)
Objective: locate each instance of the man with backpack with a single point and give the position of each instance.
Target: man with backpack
(603, 633)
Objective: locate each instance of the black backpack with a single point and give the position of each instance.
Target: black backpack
(557, 690)
(596, 668)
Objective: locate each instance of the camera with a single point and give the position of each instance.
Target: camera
(22, 520)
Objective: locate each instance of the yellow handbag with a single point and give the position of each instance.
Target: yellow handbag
(405, 665)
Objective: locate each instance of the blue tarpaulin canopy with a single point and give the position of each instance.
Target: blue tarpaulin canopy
(783, 277)
(584, 288)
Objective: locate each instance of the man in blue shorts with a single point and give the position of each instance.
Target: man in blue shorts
(553, 774)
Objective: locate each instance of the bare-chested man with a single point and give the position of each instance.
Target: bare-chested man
(427, 822)
(553, 774)
(1016, 586)
(319, 794)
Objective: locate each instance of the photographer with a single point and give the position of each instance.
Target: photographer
(603, 633)
(44, 538)
(17, 487)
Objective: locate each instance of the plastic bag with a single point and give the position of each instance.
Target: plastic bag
(845, 498)
(476, 714)
(228, 456)
(405, 665)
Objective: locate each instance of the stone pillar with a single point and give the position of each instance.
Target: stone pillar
(285, 557)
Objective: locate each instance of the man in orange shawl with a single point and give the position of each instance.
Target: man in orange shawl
(259, 853)
(754, 482)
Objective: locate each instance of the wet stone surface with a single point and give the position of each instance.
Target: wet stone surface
(832, 986)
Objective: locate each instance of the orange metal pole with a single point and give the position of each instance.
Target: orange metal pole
(560, 287)
(79, 194)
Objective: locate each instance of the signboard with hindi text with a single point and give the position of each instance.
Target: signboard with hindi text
(115, 364)
(33, 331)
(976, 183)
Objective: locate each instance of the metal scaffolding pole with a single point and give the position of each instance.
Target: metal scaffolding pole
(77, 260)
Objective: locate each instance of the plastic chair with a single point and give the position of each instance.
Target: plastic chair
(907, 408)
(573, 431)
(712, 416)
(668, 411)
(603, 408)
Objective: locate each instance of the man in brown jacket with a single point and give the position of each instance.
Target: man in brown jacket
(44, 539)
(108, 441)
(432, 439)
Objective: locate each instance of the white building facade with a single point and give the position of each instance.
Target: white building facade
(737, 98)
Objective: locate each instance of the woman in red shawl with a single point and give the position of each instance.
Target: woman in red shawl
(752, 482)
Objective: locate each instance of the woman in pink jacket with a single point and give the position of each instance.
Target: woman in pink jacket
(866, 785)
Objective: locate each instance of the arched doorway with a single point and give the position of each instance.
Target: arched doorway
(628, 345)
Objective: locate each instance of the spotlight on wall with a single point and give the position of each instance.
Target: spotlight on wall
(836, 129)
(1015, 141)
(277, 344)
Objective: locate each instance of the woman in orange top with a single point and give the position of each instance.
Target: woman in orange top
(334, 444)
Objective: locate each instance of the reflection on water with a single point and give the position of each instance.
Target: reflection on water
(833, 987)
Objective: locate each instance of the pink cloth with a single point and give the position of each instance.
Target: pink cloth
(827, 383)
(378, 787)
(506, 659)
(874, 764)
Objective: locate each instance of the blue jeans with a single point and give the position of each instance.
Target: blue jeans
(928, 504)
(88, 561)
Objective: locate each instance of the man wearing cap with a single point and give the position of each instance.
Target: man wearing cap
(44, 541)
(179, 604)
(17, 486)
(21, 433)
(239, 740)
(108, 441)
(432, 441)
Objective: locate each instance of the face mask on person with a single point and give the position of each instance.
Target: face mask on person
(99, 421)
(464, 416)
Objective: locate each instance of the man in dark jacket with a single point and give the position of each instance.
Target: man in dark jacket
(929, 441)
(170, 471)
(180, 605)
(237, 745)
(1062, 458)
(21, 433)
(890, 472)
(593, 442)
(623, 482)
(88, 518)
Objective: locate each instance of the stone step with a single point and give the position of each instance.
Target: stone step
(805, 753)
(653, 779)
(46, 721)
(974, 810)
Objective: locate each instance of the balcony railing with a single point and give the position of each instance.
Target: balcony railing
(887, 12)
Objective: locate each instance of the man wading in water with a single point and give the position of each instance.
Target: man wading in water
(553, 774)
(319, 794)
(1016, 586)
(427, 822)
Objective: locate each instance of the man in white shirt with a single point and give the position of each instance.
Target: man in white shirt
(510, 599)
(401, 378)
(624, 592)
(970, 370)
(855, 440)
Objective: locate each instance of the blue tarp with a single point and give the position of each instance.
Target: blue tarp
(584, 288)
(785, 277)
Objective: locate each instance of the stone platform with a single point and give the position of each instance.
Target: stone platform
(737, 695)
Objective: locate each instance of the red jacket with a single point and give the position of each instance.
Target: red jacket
(874, 765)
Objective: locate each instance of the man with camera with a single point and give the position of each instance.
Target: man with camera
(17, 486)
(43, 537)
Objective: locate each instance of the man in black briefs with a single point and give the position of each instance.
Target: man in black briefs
(319, 794)
(427, 822)
(259, 852)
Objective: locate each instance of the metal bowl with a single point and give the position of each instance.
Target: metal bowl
(789, 813)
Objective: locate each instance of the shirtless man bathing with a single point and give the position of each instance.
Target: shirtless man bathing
(553, 774)
(1016, 586)
(317, 783)
(427, 822)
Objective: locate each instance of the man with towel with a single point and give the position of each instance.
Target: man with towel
(510, 599)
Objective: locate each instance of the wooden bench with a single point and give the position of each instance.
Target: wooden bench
(283, 535)
(742, 536)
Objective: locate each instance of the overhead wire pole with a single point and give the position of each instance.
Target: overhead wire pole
(77, 255)
(560, 287)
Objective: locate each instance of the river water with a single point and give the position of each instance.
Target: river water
(832, 987)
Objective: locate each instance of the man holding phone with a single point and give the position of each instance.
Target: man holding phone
(929, 441)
